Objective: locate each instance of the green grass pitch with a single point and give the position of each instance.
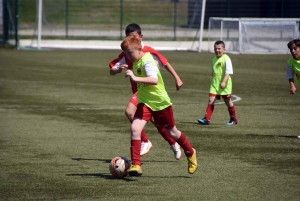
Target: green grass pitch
(62, 120)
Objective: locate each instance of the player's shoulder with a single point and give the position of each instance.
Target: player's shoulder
(292, 62)
(226, 56)
(149, 49)
(122, 54)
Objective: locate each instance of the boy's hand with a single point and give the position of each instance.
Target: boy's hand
(129, 73)
(292, 90)
(179, 83)
(123, 67)
(223, 85)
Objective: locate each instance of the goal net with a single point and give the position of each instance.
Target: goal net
(253, 35)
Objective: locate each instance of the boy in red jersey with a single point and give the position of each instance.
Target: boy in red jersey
(293, 64)
(121, 63)
(153, 102)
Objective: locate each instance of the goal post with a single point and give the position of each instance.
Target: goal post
(253, 35)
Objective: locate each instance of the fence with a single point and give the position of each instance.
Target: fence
(105, 19)
(161, 20)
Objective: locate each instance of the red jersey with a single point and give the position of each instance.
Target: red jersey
(122, 59)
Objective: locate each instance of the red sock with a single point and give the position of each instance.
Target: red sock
(209, 110)
(165, 135)
(232, 114)
(185, 144)
(135, 150)
(144, 137)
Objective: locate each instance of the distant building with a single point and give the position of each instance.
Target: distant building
(242, 8)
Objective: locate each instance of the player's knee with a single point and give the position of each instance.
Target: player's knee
(129, 114)
(135, 131)
(174, 133)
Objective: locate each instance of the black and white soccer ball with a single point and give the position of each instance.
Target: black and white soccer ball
(118, 166)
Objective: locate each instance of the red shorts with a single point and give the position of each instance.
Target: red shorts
(219, 96)
(163, 117)
(134, 99)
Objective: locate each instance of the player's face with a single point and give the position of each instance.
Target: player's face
(133, 54)
(219, 50)
(295, 52)
(135, 34)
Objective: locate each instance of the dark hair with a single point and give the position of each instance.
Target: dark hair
(219, 42)
(295, 41)
(132, 28)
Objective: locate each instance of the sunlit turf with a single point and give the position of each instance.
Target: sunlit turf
(62, 120)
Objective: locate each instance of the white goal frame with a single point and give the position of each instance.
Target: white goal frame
(237, 40)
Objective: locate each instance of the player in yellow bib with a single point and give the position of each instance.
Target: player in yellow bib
(158, 98)
(154, 102)
(220, 70)
(221, 84)
(293, 64)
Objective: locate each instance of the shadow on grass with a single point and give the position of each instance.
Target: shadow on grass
(101, 175)
(108, 160)
(189, 122)
(127, 178)
(290, 136)
(169, 177)
(196, 123)
(91, 159)
(267, 136)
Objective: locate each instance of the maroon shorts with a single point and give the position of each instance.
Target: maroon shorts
(219, 96)
(163, 117)
(134, 99)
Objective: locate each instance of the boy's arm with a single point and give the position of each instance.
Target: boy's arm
(164, 63)
(114, 71)
(290, 76)
(292, 86)
(144, 80)
(151, 74)
(117, 65)
(171, 70)
(224, 81)
(228, 71)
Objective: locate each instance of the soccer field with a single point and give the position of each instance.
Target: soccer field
(62, 120)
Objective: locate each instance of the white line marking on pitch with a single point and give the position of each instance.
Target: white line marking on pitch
(235, 97)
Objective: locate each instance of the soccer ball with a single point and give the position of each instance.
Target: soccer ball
(118, 166)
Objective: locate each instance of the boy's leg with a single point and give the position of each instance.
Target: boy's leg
(231, 110)
(189, 151)
(209, 110)
(175, 147)
(142, 116)
(135, 148)
(165, 117)
(129, 112)
(136, 127)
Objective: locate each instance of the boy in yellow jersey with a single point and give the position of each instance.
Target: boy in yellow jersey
(221, 84)
(153, 101)
(293, 64)
(118, 65)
